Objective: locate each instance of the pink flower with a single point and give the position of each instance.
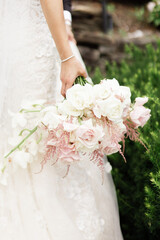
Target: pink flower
(139, 115)
(111, 150)
(140, 101)
(88, 136)
(68, 154)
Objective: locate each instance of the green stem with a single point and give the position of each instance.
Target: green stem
(26, 129)
(29, 111)
(82, 81)
(18, 146)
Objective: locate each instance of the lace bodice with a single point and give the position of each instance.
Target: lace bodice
(29, 60)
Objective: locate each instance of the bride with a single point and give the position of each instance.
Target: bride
(46, 206)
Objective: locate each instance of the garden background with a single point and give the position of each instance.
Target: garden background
(121, 40)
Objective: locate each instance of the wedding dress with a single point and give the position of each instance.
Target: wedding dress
(44, 206)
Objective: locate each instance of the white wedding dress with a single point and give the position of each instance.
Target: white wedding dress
(44, 206)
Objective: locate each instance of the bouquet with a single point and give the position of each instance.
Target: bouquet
(92, 121)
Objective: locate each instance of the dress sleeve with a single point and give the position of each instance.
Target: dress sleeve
(67, 5)
(67, 12)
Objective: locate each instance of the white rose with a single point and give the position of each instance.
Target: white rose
(110, 108)
(70, 127)
(22, 158)
(110, 84)
(67, 108)
(80, 97)
(124, 94)
(101, 91)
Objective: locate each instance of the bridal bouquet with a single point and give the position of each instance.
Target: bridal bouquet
(91, 121)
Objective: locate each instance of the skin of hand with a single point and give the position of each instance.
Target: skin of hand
(53, 12)
(70, 70)
(70, 34)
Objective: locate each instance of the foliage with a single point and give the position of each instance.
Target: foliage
(154, 16)
(110, 8)
(138, 181)
(139, 13)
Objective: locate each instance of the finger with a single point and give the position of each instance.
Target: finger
(84, 74)
(63, 90)
(67, 87)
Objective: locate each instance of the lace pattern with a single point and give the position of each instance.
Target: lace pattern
(77, 189)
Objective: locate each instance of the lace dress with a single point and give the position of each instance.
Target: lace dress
(44, 206)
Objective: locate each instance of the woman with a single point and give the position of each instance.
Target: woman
(46, 206)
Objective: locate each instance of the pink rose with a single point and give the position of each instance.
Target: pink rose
(139, 115)
(88, 136)
(140, 101)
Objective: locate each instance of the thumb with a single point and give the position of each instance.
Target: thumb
(84, 73)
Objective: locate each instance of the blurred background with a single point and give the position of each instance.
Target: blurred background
(121, 39)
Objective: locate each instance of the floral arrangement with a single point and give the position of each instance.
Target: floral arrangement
(93, 120)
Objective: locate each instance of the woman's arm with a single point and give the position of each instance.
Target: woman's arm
(53, 11)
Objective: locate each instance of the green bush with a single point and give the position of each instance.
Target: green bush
(154, 16)
(138, 180)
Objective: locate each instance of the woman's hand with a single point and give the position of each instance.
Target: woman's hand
(70, 70)
(70, 34)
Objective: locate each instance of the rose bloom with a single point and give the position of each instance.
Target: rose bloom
(80, 97)
(110, 108)
(124, 94)
(88, 136)
(66, 108)
(140, 101)
(110, 84)
(140, 115)
(101, 91)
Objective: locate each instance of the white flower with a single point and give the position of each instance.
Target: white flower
(67, 108)
(51, 120)
(150, 6)
(110, 108)
(80, 97)
(124, 94)
(70, 127)
(32, 147)
(101, 91)
(110, 84)
(22, 158)
(18, 120)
